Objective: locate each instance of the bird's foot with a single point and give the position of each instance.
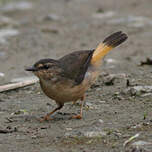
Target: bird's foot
(77, 117)
(46, 118)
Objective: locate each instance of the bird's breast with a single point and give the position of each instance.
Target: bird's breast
(64, 90)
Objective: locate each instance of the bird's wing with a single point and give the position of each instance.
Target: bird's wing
(76, 64)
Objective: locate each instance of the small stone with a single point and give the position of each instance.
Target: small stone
(102, 101)
(100, 120)
(2, 74)
(109, 80)
(139, 90)
(68, 129)
(108, 14)
(91, 106)
(5, 33)
(73, 133)
(110, 60)
(33, 136)
(141, 143)
(92, 134)
(51, 17)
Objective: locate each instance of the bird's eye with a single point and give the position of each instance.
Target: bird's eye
(46, 66)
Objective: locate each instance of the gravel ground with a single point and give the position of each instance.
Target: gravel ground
(118, 106)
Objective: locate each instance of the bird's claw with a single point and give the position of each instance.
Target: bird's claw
(77, 117)
(45, 118)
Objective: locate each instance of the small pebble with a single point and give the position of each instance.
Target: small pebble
(141, 143)
(100, 120)
(2, 74)
(51, 17)
(68, 129)
(102, 101)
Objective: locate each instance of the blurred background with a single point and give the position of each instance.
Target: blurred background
(35, 29)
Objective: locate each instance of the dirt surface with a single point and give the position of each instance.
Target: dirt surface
(114, 112)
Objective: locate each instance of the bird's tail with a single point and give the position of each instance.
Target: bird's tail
(108, 44)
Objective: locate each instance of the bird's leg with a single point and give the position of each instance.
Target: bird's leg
(47, 117)
(79, 116)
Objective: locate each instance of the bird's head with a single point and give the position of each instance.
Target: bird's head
(45, 68)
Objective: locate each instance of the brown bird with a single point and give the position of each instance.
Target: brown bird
(68, 78)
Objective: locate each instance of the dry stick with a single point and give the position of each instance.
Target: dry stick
(17, 85)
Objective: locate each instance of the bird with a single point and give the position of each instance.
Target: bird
(68, 78)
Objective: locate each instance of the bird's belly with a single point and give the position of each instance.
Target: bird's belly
(65, 90)
(62, 92)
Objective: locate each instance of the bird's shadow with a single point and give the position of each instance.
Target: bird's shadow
(59, 116)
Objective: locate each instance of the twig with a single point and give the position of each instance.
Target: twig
(9, 120)
(130, 139)
(17, 85)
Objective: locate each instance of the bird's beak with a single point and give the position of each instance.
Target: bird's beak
(31, 69)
